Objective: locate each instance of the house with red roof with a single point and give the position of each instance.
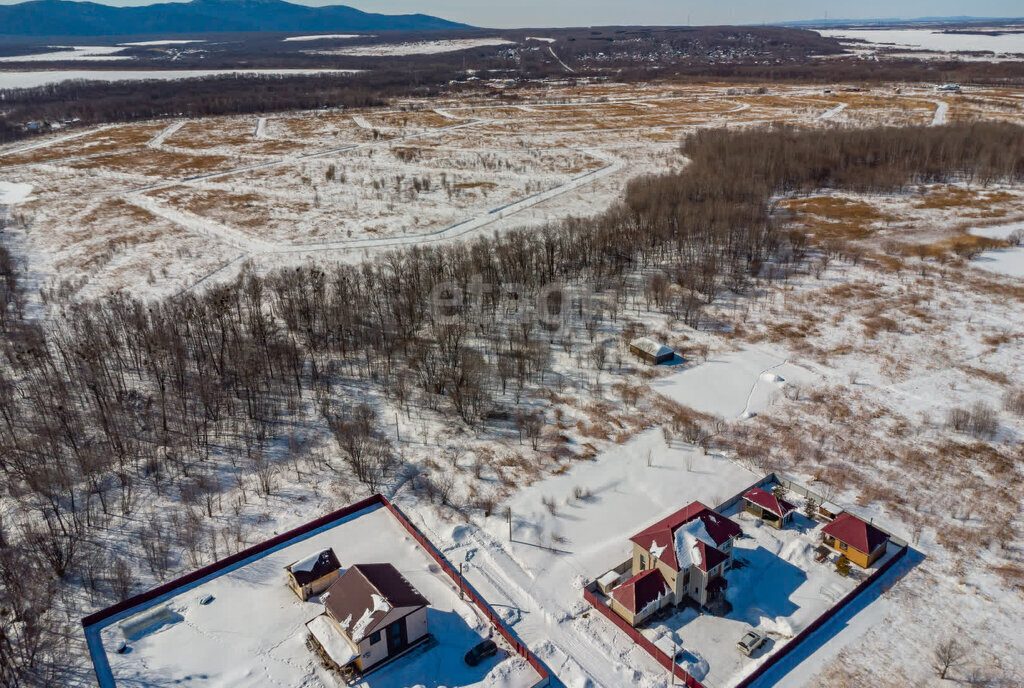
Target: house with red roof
(766, 506)
(682, 556)
(858, 540)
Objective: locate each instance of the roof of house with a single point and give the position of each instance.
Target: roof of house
(651, 347)
(365, 594)
(641, 590)
(315, 566)
(766, 500)
(855, 532)
(660, 538)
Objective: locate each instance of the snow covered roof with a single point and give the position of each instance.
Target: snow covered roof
(695, 547)
(332, 640)
(641, 591)
(651, 347)
(314, 566)
(766, 500)
(855, 532)
(660, 538)
(365, 594)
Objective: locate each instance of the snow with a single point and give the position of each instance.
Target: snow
(32, 79)
(543, 40)
(1006, 261)
(326, 36)
(253, 633)
(687, 536)
(926, 39)
(379, 605)
(418, 48)
(609, 579)
(93, 53)
(143, 44)
(941, 111)
(655, 549)
(14, 192)
(732, 384)
(651, 347)
(336, 645)
(308, 562)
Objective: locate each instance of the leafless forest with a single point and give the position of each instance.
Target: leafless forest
(118, 399)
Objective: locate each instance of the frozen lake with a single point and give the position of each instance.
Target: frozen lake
(32, 79)
(928, 39)
(1006, 261)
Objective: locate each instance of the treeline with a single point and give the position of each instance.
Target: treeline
(117, 405)
(88, 103)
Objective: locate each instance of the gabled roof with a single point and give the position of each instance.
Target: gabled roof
(660, 538)
(366, 594)
(651, 347)
(641, 590)
(766, 500)
(855, 532)
(313, 567)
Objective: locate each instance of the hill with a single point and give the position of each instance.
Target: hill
(65, 18)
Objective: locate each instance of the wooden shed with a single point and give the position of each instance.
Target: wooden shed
(313, 574)
(650, 351)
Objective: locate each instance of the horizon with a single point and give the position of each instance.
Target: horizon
(535, 14)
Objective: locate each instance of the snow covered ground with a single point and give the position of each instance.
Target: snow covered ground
(419, 48)
(1006, 261)
(325, 36)
(12, 192)
(252, 632)
(928, 39)
(92, 53)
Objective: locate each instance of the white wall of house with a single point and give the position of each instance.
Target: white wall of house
(416, 624)
(373, 652)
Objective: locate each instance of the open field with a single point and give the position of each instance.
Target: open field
(339, 184)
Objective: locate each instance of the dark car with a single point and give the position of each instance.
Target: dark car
(481, 652)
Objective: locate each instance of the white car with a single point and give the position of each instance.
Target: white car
(750, 641)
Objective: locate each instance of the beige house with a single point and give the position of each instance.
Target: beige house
(683, 556)
(371, 613)
(313, 574)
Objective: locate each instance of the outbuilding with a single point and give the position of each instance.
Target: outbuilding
(313, 574)
(772, 510)
(652, 352)
(861, 543)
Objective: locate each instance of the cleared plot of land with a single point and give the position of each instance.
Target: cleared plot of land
(336, 184)
(253, 632)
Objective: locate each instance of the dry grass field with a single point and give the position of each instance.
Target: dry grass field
(338, 184)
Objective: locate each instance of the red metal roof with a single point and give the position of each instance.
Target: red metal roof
(855, 532)
(662, 534)
(640, 590)
(766, 500)
(710, 557)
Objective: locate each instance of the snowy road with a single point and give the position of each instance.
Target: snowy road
(941, 108)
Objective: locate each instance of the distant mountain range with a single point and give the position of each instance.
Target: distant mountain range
(66, 18)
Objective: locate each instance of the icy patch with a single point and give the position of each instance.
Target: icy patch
(1005, 261)
(325, 36)
(86, 52)
(543, 40)
(143, 44)
(14, 192)
(420, 48)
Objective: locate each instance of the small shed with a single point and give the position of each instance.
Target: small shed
(313, 574)
(829, 510)
(650, 351)
(769, 508)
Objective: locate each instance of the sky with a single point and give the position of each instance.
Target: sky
(548, 13)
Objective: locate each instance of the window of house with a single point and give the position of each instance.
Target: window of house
(842, 546)
(375, 638)
(643, 562)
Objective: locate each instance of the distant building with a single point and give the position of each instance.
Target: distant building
(861, 542)
(371, 613)
(681, 556)
(767, 507)
(651, 351)
(949, 88)
(313, 574)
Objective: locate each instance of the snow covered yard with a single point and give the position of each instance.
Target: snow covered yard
(252, 631)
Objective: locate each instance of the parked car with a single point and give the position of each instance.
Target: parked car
(750, 641)
(481, 652)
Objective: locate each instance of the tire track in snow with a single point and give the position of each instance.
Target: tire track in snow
(201, 225)
(53, 142)
(829, 114)
(168, 131)
(555, 55)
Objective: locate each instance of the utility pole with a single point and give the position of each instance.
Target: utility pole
(508, 516)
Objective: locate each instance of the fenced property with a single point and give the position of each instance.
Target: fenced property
(595, 592)
(265, 573)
